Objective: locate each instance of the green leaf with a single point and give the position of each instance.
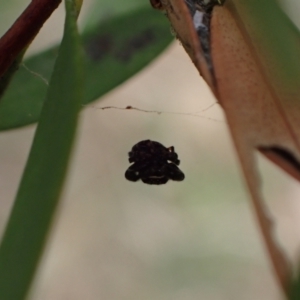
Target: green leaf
(8, 75)
(41, 184)
(102, 9)
(294, 291)
(114, 51)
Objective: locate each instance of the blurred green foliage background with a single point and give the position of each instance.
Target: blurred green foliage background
(114, 239)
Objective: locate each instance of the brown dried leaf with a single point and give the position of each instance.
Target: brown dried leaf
(254, 119)
(261, 102)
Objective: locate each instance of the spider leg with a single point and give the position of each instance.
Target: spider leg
(173, 172)
(133, 173)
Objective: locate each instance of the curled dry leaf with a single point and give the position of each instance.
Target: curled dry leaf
(259, 95)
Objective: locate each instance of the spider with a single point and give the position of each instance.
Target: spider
(153, 163)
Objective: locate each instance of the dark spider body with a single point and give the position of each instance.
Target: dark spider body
(153, 163)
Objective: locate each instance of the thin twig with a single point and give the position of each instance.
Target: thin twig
(23, 31)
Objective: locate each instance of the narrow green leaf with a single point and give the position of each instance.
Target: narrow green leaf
(114, 51)
(294, 292)
(39, 191)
